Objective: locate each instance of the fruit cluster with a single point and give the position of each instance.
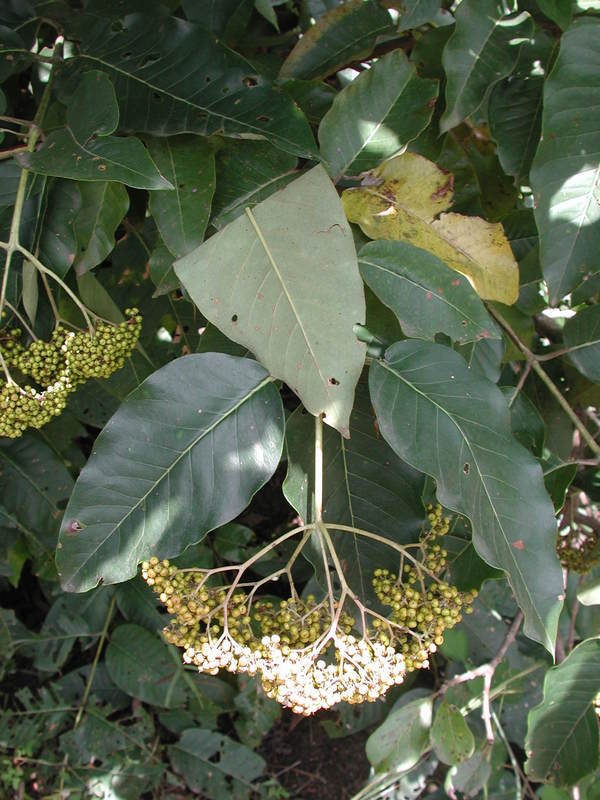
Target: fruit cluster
(57, 367)
(306, 652)
(578, 550)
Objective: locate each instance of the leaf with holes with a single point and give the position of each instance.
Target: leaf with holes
(562, 733)
(451, 737)
(256, 281)
(376, 116)
(483, 49)
(218, 92)
(403, 199)
(152, 484)
(182, 216)
(456, 427)
(85, 150)
(426, 296)
(565, 175)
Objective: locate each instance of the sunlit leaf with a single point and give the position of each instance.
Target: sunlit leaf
(451, 737)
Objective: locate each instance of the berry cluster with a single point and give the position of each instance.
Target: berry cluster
(578, 550)
(57, 367)
(306, 652)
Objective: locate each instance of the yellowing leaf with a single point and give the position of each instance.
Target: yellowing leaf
(401, 200)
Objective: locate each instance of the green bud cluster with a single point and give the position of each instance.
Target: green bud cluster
(298, 623)
(578, 550)
(58, 366)
(422, 604)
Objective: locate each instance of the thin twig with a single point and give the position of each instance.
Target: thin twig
(90, 679)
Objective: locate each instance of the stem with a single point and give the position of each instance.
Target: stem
(90, 679)
(21, 319)
(532, 359)
(318, 469)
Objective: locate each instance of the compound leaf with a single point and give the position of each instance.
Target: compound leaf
(153, 483)
(456, 427)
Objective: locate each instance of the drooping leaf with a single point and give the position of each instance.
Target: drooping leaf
(399, 743)
(558, 476)
(30, 296)
(57, 244)
(515, 107)
(216, 766)
(161, 269)
(200, 423)
(248, 172)
(141, 665)
(426, 296)
(366, 486)
(103, 206)
(182, 216)
(376, 115)
(218, 94)
(85, 150)
(562, 736)
(483, 49)
(582, 336)
(401, 200)
(344, 33)
(256, 280)
(456, 427)
(565, 176)
(526, 423)
(225, 18)
(451, 737)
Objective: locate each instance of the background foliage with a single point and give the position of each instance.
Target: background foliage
(384, 212)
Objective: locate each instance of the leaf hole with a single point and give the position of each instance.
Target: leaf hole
(466, 468)
(234, 318)
(333, 382)
(128, 54)
(464, 323)
(262, 118)
(148, 59)
(158, 97)
(250, 81)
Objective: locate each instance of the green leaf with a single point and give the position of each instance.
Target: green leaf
(230, 542)
(589, 593)
(141, 665)
(414, 13)
(313, 97)
(376, 115)
(161, 269)
(30, 290)
(515, 107)
(60, 631)
(559, 11)
(57, 246)
(343, 34)
(248, 172)
(472, 775)
(426, 296)
(451, 737)
(366, 486)
(217, 92)
(150, 486)
(558, 476)
(225, 18)
(565, 176)
(103, 206)
(456, 427)
(526, 423)
(34, 485)
(582, 336)
(402, 739)
(182, 216)
(84, 150)
(257, 712)
(483, 49)
(216, 766)
(562, 736)
(284, 291)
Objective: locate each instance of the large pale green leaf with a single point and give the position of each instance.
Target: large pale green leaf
(248, 172)
(289, 273)
(403, 199)
(141, 665)
(582, 337)
(562, 735)
(188, 163)
(399, 743)
(217, 92)
(366, 485)
(426, 296)
(376, 115)
(85, 150)
(565, 175)
(451, 737)
(483, 49)
(34, 483)
(103, 206)
(343, 34)
(215, 766)
(456, 427)
(515, 107)
(183, 454)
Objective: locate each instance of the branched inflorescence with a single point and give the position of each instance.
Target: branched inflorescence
(56, 367)
(312, 654)
(578, 549)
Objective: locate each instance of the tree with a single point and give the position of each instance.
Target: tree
(343, 256)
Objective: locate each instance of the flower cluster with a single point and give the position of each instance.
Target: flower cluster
(57, 367)
(578, 549)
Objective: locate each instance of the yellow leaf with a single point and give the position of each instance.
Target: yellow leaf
(401, 200)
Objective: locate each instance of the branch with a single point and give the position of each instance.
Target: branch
(486, 671)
